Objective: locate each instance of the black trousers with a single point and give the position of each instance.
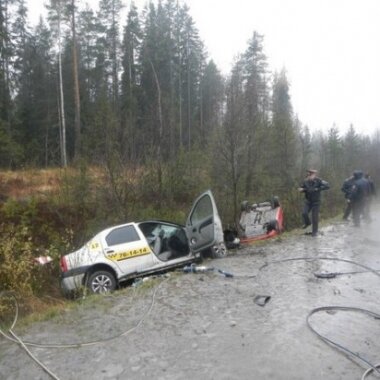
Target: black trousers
(314, 208)
(357, 211)
(347, 210)
(367, 208)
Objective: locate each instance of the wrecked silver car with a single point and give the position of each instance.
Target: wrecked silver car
(132, 250)
(258, 221)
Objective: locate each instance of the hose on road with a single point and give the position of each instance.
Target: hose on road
(372, 367)
(24, 344)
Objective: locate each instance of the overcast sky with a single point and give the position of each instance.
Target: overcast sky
(330, 49)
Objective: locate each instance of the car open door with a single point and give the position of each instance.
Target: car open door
(204, 227)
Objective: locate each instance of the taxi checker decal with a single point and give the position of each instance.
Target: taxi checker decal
(129, 254)
(93, 245)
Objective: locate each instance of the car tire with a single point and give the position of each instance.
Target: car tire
(244, 206)
(275, 202)
(101, 282)
(219, 251)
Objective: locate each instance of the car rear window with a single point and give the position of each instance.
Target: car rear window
(121, 235)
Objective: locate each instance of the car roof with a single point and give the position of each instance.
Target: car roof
(160, 221)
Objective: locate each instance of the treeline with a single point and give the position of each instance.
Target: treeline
(77, 87)
(86, 87)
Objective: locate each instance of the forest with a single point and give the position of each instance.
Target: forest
(145, 119)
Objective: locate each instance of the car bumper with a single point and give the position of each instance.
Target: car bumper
(73, 279)
(71, 284)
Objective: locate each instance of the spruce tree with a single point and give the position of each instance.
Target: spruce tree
(256, 91)
(130, 85)
(283, 134)
(56, 18)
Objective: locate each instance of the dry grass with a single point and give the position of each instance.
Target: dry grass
(23, 184)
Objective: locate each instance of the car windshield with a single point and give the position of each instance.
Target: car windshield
(152, 229)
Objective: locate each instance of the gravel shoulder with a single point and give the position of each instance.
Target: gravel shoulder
(206, 326)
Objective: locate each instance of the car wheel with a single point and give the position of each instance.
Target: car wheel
(219, 251)
(101, 282)
(244, 206)
(275, 202)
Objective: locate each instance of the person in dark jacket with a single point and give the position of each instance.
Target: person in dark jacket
(371, 195)
(358, 197)
(312, 187)
(347, 189)
(372, 188)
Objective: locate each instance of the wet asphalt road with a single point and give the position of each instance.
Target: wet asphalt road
(206, 326)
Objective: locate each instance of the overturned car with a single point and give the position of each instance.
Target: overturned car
(132, 250)
(258, 221)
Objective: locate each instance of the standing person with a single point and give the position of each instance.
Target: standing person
(358, 197)
(347, 189)
(312, 187)
(371, 195)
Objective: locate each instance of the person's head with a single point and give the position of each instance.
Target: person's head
(367, 175)
(312, 173)
(357, 174)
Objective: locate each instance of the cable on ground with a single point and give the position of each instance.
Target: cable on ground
(373, 367)
(24, 344)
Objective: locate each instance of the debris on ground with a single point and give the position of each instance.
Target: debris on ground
(261, 300)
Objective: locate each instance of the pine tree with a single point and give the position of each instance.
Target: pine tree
(130, 84)
(351, 150)
(13, 40)
(87, 38)
(283, 133)
(334, 151)
(5, 74)
(19, 34)
(231, 143)
(108, 19)
(256, 91)
(35, 101)
(192, 54)
(306, 150)
(211, 102)
(56, 17)
(71, 10)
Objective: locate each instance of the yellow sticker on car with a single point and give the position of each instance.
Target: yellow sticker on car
(119, 256)
(94, 245)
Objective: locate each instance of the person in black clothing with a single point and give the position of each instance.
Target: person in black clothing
(312, 187)
(371, 195)
(372, 189)
(359, 195)
(347, 189)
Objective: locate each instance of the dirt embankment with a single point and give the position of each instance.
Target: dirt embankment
(207, 326)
